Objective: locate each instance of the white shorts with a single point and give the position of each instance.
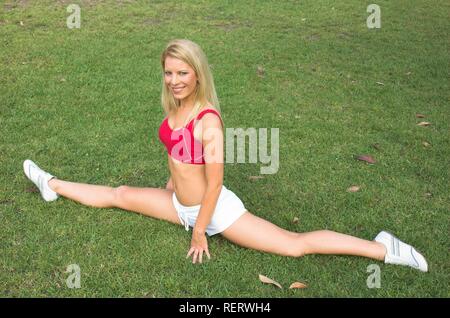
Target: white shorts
(228, 209)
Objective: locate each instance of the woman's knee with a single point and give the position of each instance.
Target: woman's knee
(120, 194)
(296, 252)
(298, 247)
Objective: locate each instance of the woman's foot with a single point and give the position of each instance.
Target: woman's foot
(40, 178)
(401, 253)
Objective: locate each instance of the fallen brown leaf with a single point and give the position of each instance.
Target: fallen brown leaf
(31, 189)
(268, 280)
(376, 146)
(424, 123)
(354, 189)
(295, 220)
(420, 116)
(297, 285)
(366, 158)
(426, 144)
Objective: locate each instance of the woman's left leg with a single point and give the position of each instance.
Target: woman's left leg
(256, 233)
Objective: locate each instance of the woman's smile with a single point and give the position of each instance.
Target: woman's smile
(177, 90)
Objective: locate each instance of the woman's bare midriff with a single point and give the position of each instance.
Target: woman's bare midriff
(189, 181)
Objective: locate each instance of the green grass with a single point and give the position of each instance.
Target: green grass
(85, 104)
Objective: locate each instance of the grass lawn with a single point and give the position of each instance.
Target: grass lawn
(85, 105)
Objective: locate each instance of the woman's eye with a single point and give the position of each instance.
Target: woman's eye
(181, 73)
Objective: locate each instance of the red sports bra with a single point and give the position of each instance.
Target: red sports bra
(180, 143)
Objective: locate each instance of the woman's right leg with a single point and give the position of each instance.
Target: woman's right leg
(153, 202)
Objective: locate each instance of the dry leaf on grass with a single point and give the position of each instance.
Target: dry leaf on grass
(426, 144)
(297, 285)
(420, 116)
(366, 158)
(354, 189)
(376, 146)
(295, 220)
(424, 123)
(268, 280)
(380, 83)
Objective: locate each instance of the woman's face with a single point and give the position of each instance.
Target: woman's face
(179, 77)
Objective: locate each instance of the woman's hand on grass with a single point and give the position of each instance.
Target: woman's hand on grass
(199, 244)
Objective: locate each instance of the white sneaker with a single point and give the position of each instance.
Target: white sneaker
(40, 178)
(401, 253)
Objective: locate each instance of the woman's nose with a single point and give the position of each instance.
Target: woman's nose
(174, 80)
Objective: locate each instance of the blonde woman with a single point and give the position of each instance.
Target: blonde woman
(195, 195)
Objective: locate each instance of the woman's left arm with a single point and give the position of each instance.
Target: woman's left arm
(212, 139)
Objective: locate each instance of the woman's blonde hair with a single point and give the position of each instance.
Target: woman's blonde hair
(205, 92)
